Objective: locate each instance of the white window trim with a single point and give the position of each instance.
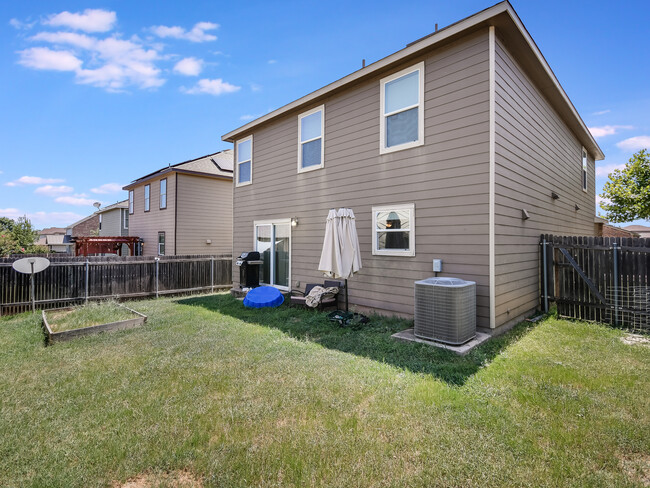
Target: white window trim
(164, 243)
(272, 270)
(584, 171)
(131, 203)
(237, 163)
(160, 196)
(100, 221)
(382, 116)
(125, 220)
(322, 139)
(388, 208)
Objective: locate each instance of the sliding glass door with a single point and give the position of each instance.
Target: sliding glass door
(273, 242)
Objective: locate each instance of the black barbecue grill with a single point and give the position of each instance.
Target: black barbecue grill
(249, 269)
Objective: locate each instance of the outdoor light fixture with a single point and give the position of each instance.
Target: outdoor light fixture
(294, 221)
(577, 207)
(555, 195)
(524, 214)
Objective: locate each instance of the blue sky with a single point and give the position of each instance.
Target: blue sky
(96, 94)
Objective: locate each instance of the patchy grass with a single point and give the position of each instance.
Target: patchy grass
(95, 313)
(216, 395)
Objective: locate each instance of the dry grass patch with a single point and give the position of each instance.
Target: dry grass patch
(633, 339)
(175, 479)
(636, 467)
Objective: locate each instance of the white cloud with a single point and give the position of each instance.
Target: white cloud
(608, 130)
(607, 169)
(43, 219)
(121, 62)
(600, 200)
(601, 112)
(106, 188)
(196, 34)
(635, 143)
(255, 87)
(249, 117)
(47, 59)
(272, 61)
(189, 66)
(53, 191)
(75, 201)
(91, 20)
(17, 24)
(212, 87)
(34, 180)
(71, 38)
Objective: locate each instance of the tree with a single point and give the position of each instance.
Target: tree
(627, 192)
(6, 225)
(23, 232)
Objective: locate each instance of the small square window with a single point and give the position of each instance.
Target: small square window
(310, 140)
(402, 110)
(245, 161)
(393, 230)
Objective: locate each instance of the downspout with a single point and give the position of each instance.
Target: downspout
(492, 156)
(175, 210)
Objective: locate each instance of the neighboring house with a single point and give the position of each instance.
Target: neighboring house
(464, 140)
(613, 231)
(184, 208)
(642, 230)
(87, 226)
(114, 219)
(56, 239)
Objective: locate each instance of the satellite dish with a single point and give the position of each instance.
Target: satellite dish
(97, 205)
(31, 265)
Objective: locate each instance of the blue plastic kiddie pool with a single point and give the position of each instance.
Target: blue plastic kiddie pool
(263, 296)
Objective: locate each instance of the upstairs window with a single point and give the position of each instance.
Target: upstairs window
(402, 110)
(393, 230)
(245, 161)
(147, 191)
(100, 221)
(163, 193)
(310, 140)
(584, 169)
(130, 201)
(126, 220)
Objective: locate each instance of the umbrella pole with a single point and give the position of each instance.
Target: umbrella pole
(346, 295)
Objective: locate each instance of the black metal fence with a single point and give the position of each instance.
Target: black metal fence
(72, 280)
(603, 279)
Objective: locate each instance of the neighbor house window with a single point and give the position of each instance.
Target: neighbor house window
(584, 169)
(100, 221)
(163, 193)
(147, 191)
(273, 242)
(393, 230)
(310, 139)
(245, 161)
(130, 201)
(161, 243)
(402, 110)
(126, 219)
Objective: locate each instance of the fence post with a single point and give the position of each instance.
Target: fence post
(212, 274)
(86, 284)
(615, 250)
(545, 273)
(157, 262)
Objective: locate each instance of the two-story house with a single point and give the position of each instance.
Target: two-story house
(463, 146)
(185, 208)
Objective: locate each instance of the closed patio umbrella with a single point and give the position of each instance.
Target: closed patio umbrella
(341, 256)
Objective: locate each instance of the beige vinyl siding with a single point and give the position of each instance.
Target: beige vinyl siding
(446, 179)
(204, 213)
(112, 223)
(146, 225)
(536, 154)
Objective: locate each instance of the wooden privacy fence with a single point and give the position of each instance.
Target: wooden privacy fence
(72, 280)
(604, 279)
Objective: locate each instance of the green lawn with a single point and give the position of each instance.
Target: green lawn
(210, 392)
